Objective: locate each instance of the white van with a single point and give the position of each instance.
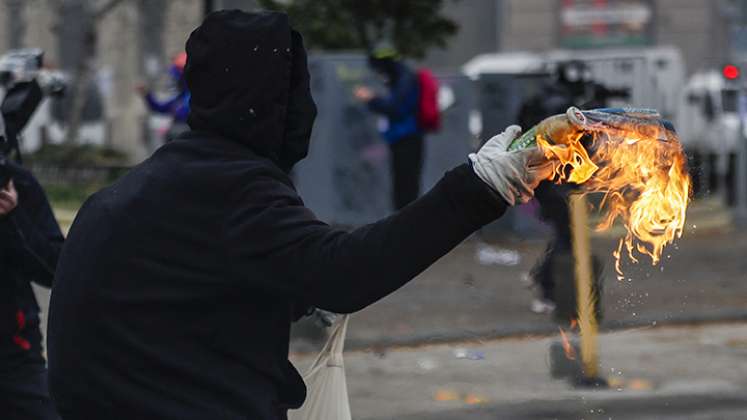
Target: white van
(654, 75)
(708, 125)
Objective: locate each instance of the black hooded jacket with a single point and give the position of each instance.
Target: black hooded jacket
(178, 284)
(30, 243)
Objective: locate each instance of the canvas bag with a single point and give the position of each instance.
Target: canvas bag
(327, 390)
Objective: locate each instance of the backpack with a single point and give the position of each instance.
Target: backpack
(429, 116)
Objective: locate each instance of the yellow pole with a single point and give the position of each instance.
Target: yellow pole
(587, 321)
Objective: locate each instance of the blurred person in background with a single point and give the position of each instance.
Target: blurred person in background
(401, 130)
(176, 106)
(572, 85)
(30, 243)
(178, 284)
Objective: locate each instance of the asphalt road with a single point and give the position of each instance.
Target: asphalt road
(685, 372)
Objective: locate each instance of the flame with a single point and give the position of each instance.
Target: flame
(642, 172)
(570, 353)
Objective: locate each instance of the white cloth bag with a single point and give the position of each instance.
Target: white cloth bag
(327, 391)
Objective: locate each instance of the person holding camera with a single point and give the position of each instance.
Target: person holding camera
(30, 243)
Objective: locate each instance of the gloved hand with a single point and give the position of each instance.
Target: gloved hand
(514, 175)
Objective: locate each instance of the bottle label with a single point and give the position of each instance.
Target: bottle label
(524, 141)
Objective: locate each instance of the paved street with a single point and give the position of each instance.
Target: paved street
(695, 372)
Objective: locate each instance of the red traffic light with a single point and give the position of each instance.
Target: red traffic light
(730, 71)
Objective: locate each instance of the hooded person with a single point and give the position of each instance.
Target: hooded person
(178, 284)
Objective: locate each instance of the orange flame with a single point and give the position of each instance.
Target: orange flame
(643, 175)
(574, 324)
(570, 353)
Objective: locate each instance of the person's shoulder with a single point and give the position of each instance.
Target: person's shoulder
(223, 166)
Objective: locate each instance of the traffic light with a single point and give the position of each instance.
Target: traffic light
(730, 72)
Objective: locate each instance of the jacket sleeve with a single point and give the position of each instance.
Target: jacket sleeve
(395, 106)
(36, 235)
(161, 107)
(346, 271)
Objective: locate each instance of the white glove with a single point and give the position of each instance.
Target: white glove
(514, 175)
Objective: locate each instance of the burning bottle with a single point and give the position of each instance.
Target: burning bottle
(631, 156)
(553, 129)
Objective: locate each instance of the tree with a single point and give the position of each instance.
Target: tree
(78, 38)
(411, 26)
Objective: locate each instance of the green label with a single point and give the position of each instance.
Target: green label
(524, 141)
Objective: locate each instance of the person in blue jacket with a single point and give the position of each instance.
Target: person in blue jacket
(177, 106)
(402, 132)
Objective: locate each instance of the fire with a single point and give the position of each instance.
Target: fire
(570, 353)
(641, 170)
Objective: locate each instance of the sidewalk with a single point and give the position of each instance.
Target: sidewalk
(694, 372)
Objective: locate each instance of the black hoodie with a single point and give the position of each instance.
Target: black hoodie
(30, 243)
(177, 285)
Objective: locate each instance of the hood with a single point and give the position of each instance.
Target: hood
(249, 81)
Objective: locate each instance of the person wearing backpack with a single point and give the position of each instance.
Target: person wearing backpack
(410, 110)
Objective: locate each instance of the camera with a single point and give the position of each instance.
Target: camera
(26, 65)
(25, 83)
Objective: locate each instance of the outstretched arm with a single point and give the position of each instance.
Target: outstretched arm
(346, 271)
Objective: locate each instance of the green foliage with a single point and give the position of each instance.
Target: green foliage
(70, 196)
(78, 155)
(411, 26)
(70, 173)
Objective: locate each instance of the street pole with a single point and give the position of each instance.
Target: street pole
(740, 211)
(586, 306)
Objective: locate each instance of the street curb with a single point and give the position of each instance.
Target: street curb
(547, 329)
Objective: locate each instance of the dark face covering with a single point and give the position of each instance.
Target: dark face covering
(249, 80)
